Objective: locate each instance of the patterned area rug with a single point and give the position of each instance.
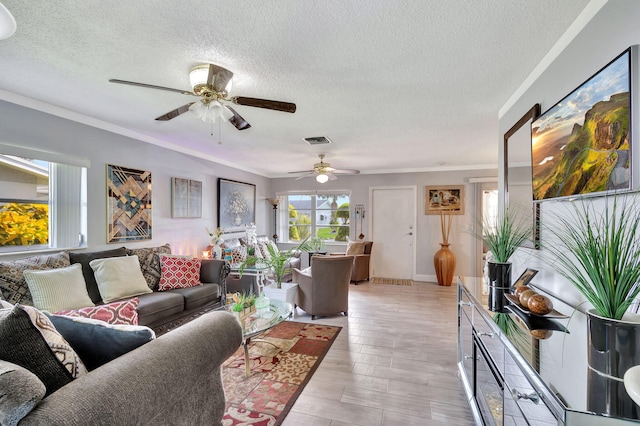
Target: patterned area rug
(280, 370)
(394, 281)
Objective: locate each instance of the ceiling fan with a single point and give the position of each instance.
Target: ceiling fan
(212, 83)
(324, 172)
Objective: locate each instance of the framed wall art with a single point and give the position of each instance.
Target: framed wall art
(444, 198)
(236, 204)
(128, 204)
(186, 198)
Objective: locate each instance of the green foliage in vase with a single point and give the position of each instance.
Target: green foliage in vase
(277, 261)
(598, 251)
(506, 235)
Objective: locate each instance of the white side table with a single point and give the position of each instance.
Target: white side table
(287, 293)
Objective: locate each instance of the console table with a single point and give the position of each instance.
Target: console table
(258, 272)
(506, 372)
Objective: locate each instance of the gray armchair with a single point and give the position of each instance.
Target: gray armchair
(324, 291)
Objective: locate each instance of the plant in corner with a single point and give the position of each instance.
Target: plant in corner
(597, 249)
(502, 238)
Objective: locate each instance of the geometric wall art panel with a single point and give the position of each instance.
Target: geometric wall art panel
(128, 204)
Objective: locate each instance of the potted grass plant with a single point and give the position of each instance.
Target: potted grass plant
(597, 249)
(277, 261)
(502, 237)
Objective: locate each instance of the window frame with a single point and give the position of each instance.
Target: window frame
(283, 218)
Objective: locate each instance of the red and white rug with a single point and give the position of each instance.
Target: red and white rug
(279, 372)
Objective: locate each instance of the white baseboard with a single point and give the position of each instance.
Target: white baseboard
(434, 279)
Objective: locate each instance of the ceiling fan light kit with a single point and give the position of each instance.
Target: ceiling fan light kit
(212, 83)
(7, 23)
(322, 178)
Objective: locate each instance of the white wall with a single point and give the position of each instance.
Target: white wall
(428, 226)
(612, 30)
(29, 128)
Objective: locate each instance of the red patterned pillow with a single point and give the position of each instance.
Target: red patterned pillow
(114, 313)
(179, 272)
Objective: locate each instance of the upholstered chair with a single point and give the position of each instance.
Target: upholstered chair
(324, 290)
(361, 252)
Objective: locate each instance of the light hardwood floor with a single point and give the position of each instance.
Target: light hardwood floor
(394, 362)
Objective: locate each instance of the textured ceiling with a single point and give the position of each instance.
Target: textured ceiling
(396, 85)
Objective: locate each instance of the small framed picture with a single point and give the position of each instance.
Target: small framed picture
(525, 277)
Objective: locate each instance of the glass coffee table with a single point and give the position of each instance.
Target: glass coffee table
(259, 322)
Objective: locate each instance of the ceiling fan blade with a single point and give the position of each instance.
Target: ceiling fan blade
(237, 120)
(331, 176)
(264, 103)
(218, 77)
(304, 171)
(176, 112)
(346, 172)
(151, 86)
(304, 176)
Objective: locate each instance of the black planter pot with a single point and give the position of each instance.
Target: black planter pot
(614, 347)
(499, 284)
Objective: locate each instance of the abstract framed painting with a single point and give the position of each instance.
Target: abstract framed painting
(128, 204)
(186, 198)
(236, 204)
(444, 199)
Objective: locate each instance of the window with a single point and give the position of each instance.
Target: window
(325, 216)
(42, 204)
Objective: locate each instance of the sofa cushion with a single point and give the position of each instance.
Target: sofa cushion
(158, 305)
(179, 272)
(195, 297)
(119, 277)
(14, 287)
(123, 312)
(21, 391)
(115, 340)
(38, 347)
(56, 289)
(84, 258)
(150, 262)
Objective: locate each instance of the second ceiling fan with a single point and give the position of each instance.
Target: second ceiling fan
(324, 172)
(212, 83)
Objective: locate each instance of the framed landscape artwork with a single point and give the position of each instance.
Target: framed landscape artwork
(581, 145)
(444, 198)
(186, 198)
(128, 204)
(236, 204)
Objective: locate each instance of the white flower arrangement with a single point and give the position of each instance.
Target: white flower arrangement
(215, 236)
(236, 204)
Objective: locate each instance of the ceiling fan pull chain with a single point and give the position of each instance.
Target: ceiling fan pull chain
(219, 131)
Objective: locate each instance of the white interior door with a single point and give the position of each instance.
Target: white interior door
(393, 222)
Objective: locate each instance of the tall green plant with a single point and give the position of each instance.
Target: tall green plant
(277, 261)
(599, 253)
(509, 232)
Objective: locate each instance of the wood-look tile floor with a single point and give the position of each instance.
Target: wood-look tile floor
(394, 362)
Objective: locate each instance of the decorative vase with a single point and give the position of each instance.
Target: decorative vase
(499, 284)
(444, 261)
(613, 348)
(217, 252)
(287, 292)
(237, 220)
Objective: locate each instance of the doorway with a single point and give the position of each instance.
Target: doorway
(393, 223)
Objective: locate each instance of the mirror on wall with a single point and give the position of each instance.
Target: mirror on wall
(518, 191)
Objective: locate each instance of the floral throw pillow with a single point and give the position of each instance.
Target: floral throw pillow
(179, 272)
(14, 287)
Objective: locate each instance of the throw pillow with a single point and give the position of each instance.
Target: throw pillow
(150, 263)
(238, 254)
(14, 287)
(119, 277)
(84, 258)
(21, 391)
(262, 245)
(57, 289)
(38, 347)
(354, 248)
(115, 340)
(124, 312)
(179, 272)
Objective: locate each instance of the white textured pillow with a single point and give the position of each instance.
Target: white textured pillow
(58, 289)
(119, 277)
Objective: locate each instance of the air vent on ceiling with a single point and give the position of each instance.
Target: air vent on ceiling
(317, 140)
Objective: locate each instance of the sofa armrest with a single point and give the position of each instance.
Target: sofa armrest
(172, 380)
